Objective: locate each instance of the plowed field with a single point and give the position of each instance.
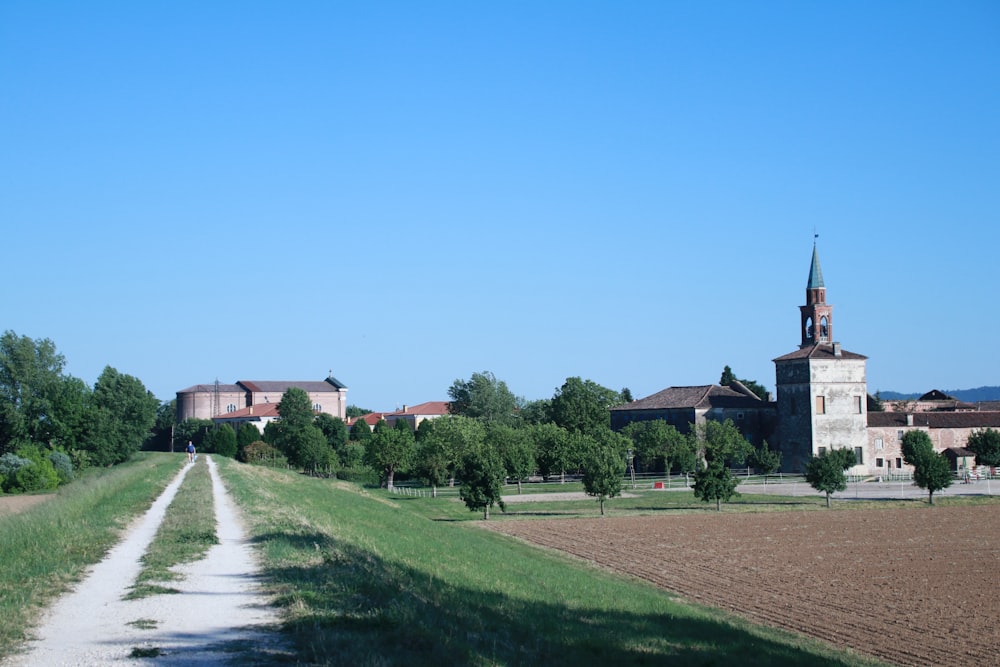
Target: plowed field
(913, 586)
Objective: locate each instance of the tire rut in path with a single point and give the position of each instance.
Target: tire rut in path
(218, 616)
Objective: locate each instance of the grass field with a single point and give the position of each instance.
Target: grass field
(47, 547)
(372, 579)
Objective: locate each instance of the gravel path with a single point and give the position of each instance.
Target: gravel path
(219, 615)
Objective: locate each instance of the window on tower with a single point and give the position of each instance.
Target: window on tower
(824, 329)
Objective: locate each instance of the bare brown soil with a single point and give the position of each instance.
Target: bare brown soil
(913, 586)
(17, 504)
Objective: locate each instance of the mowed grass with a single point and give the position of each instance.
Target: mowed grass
(46, 548)
(368, 579)
(185, 535)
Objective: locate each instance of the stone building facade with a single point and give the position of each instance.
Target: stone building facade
(206, 401)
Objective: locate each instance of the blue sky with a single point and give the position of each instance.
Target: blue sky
(406, 193)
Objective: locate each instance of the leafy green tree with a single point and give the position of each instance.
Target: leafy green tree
(334, 429)
(352, 455)
(295, 408)
(390, 450)
(70, 414)
(444, 444)
(714, 481)
(246, 435)
(516, 448)
(537, 412)
(163, 426)
(294, 434)
(765, 460)
(985, 444)
(222, 441)
(360, 431)
(931, 471)
(482, 481)
(826, 472)
(355, 411)
(30, 378)
(313, 452)
(722, 442)
(122, 415)
(583, 406)
(626, 395)
(483, 397)
(604, 465)
(554, 449)
(660, 445)
(193, 430)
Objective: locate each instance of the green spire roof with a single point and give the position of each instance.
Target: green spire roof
(815, 272)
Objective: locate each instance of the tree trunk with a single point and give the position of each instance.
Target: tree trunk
(828, 499)
(602, 506)
(434, 491)
(389, 474)
(486, 513)
(519, 486)
(930, 497)
(718, 504)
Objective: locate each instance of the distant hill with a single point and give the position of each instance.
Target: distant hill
(967, 395)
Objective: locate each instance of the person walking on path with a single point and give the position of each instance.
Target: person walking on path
(190, 451)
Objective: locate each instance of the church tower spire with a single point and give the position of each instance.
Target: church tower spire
(816, 316)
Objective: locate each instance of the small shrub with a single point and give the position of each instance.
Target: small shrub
(63, 465)
(10, 463)
(261, 453)
(37, 476)
(81, 459)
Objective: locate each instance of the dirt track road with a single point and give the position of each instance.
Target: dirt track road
(218, 616)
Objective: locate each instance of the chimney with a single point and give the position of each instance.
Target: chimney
(836, 350)
(251, 409)
(909, 420)
(405, 406)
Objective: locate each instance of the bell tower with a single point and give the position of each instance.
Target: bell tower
(821, 389)
(816, 323)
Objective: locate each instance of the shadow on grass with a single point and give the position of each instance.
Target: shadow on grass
(349, 606)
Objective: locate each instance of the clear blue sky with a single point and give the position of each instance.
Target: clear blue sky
(406, 193)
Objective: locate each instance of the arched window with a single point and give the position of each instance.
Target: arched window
(317, 407)
(824, 329)
(809, 328)
(231, 408)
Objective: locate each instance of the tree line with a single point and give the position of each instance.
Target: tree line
(490, 437)
(52, 425)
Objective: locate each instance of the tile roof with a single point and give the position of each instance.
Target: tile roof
(371, 419)
(210, 387)
(820, 351)
(282, 386)
(259, 410)
(428, 408)
(698, 397)
(935, 419)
